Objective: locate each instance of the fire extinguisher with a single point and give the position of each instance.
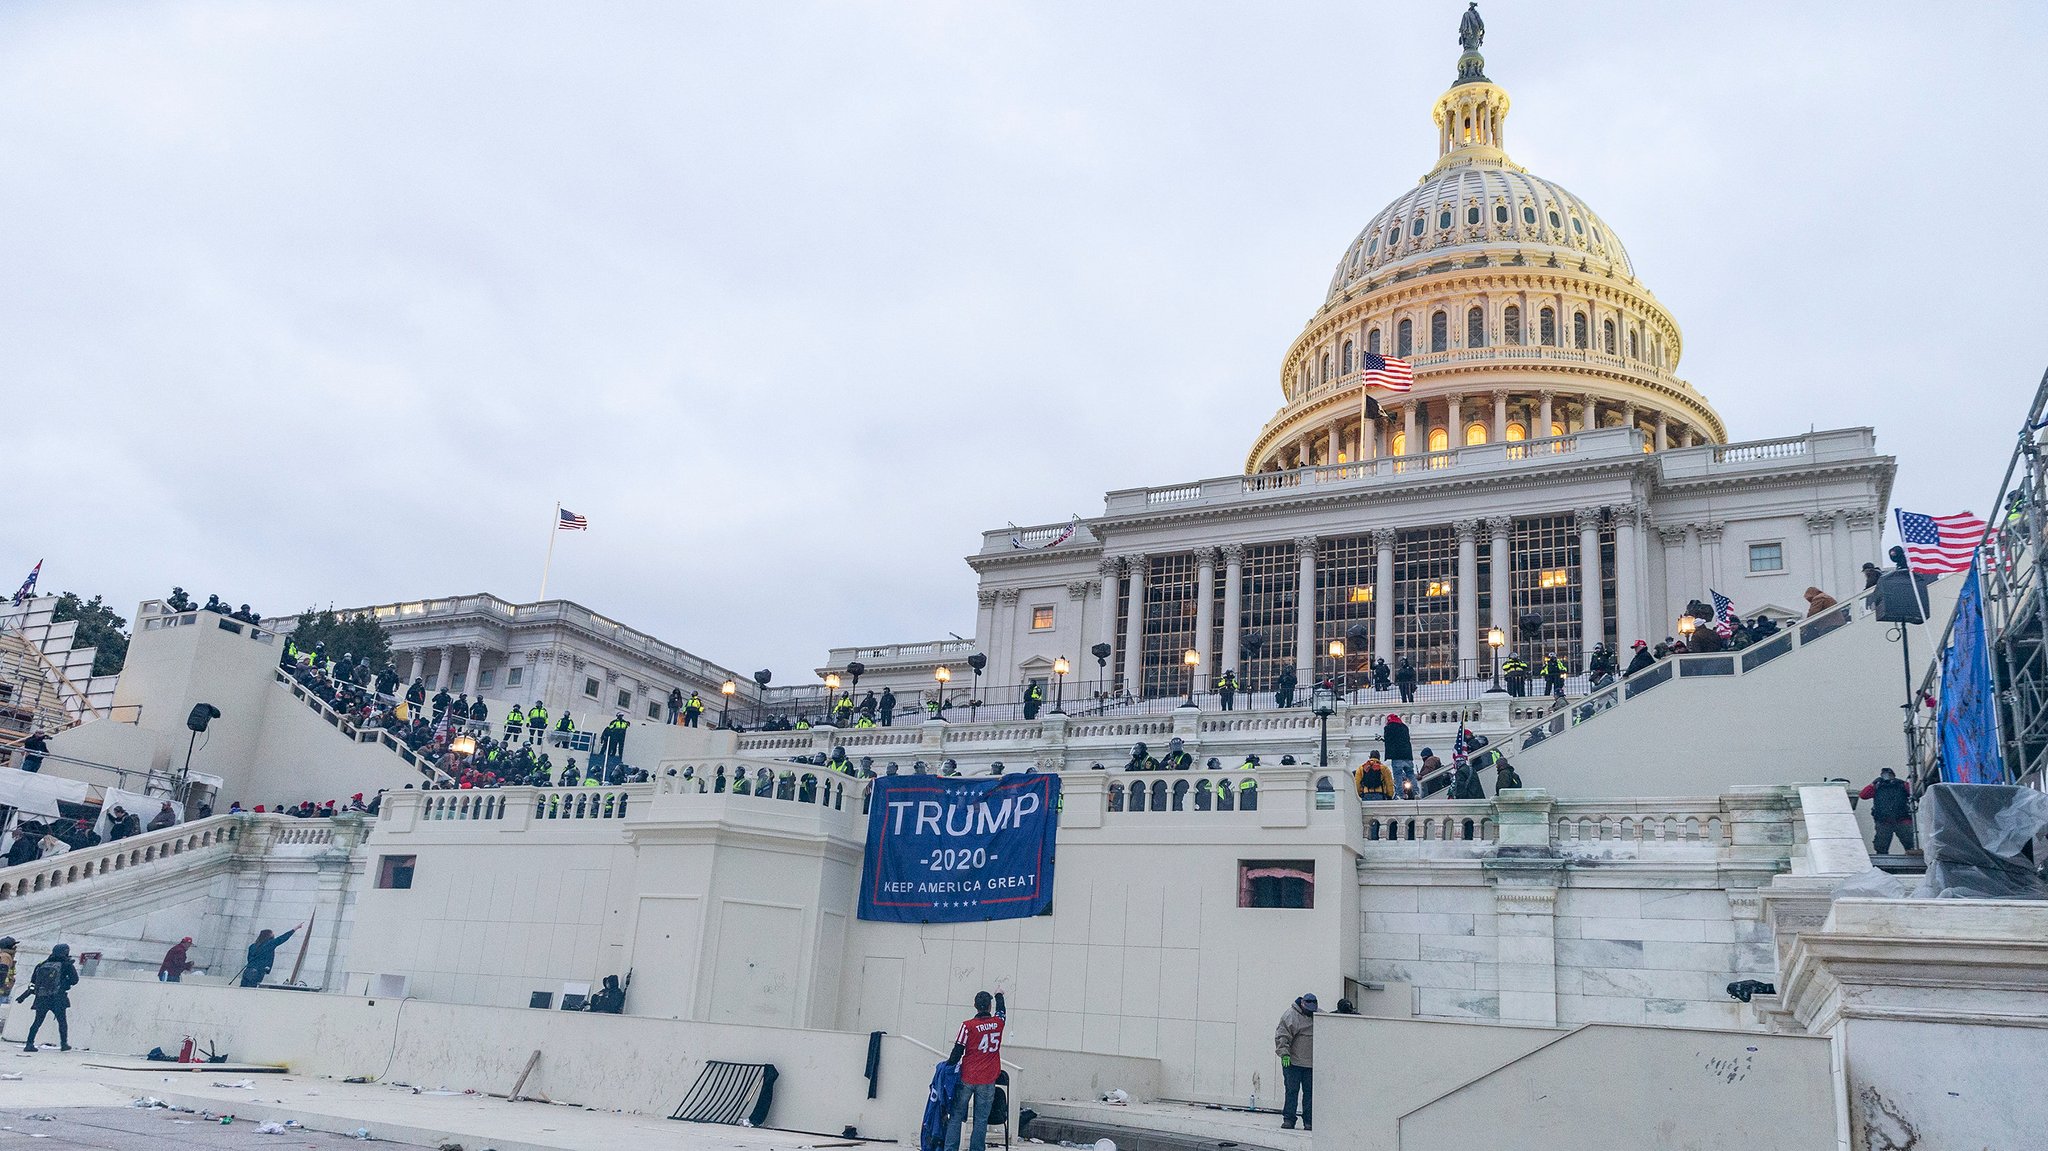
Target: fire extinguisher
(189, 1051)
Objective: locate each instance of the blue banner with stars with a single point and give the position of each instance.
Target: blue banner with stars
(950, 850)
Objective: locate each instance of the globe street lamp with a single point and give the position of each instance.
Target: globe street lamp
(975, 662)
(1060, 668)
(726, 689)
(1193, 660)
(1324, 701)
(1686, 625)
(1495, 639)
(1337, 654)
(944, 675)
(831, 696)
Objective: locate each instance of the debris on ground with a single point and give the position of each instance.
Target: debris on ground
(271, 1129)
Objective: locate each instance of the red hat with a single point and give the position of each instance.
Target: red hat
(1640, 643)
(357, 795)
(1393, 719)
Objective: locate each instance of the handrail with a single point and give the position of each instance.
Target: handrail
(85, 863)
(348, 727)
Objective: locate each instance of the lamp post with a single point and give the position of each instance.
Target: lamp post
(761, 678)
(975, 663)
(1337, 654)
(1495, 639)
(1324, 700)
(1191, 659)
(1101, 652)
(1686, 624)
(944, 675)
(831, 696)
(726, 689)
(1060, 668)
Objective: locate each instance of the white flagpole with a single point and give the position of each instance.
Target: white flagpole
(554, 529)
(1364, 395)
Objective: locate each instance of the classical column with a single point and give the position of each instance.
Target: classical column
(1628, 416)
(1589, 413)
(1845, 569)
(1305, 611)
(985, 619)
(1233, 590)
(1820, 539)
(1078, 592)
(1673, 537)
(1468, 597)
(1005, 665)
(1106, 573)
(1628, 611)
(1689, 573)
(1592, 619)
(1408, 426)
(406, 662)
(1543, 415)
(1862, 543)
(446, 674)
(474, 671)
(1334, 444)
(1710, 556)
(1134, 625)
(1383, 596)
(1500, 571)
(1369, 441)
(1663, 431)
(1205, 614)
(1500, 415)
(1305, 453)
(1454, 420)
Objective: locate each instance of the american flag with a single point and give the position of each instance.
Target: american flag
(1388, 372)
(28, 586)
(1936, 544)
(570, 521)
(1724, 615)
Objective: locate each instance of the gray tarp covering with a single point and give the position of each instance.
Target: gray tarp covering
(1983, 841)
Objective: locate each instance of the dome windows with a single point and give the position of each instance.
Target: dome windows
(1500, 213)
(1472, 214)
(1345, 362)
(1511, 323)
(1578, 226)
(1404, 339)
(1393, 237)
(1475, 328)
(1475, 434)
(1546, 327)
(1607, 336)
(1324, 376)
(1372, 248)
(1439, 440)
(1439, 332)
(1418, 226)
(1529, 214)
(1400, 445)
(1372, 341)
(1517, 433)
(1579, 330)
(1443, 219)
(1555, 221)
(1633, 353)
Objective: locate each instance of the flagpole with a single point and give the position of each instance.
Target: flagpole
(554, 529)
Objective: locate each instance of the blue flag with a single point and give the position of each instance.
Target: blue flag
(1968, 725)
(944, 850)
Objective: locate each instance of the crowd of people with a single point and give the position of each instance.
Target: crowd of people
(178, 601)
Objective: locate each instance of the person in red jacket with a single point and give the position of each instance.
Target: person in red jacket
(978, 1050)
(175, 963)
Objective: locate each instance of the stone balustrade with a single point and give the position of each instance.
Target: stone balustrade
(136, 851)
(1751, 822)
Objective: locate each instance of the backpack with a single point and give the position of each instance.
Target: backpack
(1373, 778)
(47, 981)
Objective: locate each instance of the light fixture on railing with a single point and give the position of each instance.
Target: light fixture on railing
(1495, 640)
(1060, 668)
(1191, 659)
(726, 689)
(1686, 625)
(463, 745)
(943, 675)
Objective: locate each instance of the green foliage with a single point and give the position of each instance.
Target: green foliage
(360, 634)
(98, 628)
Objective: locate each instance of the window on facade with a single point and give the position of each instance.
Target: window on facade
(1511, 323)
(455, 683)
(394, 872)
(1632, 345)
(1554, 221)
(1425, 623)
(1500, 213)
(1472, 214)
(1372, 341)
(1546, 327)
(1416, 228)
(1544, 583)
(1556, 429)
(1607, 336)
(1443, 218)
(1400, 445)
(1439, 439)
(1372, 247)
(1284, 883)
(1475, 329)
(1266, 608)
(1579, 330)
(625, 700)
(590, 688)
(1041, 617)
(1170, 614)
(1345, 567)
(1529, 214)
(1393, 236)
(1475, 433)
(1767, 557)
(513, 675)
(484, 678)
(1439, 332)
(1577, 226)
(1324, 378)
(1404, 338)
(1517, 433)
(653, 710)
(1346, 362)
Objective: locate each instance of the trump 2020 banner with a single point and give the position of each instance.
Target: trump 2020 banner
(950, 850)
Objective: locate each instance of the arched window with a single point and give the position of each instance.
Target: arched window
(1404, 338)
(1393, 237)
(1475, 328)
(1579, 330)
(1443, 218)
(1511, 323)
(1517, 433)
(1372, 341)
(1529, 215)
(1475, 432)
(1420, 224)
(1546, 327)
(1500, 213)
(1439, 332)
(1347, 358)
(1632, 354)
(1400, 445)
(1556, 429)
(1439, 439)
(1472, 214)
(1607, 336)
(1324, 378)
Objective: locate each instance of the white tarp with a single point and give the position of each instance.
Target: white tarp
(36, 794)
(142, 807)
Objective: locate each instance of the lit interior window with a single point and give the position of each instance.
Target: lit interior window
(1041, 618)
(1440, 587)
(1439, 439)
(1361, 594)
(1475, 433)
(1555, 577)
(1400, 443)
(1556, 429)
(1517, 433)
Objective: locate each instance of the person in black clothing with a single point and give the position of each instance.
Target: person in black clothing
(1382, 676)
(441, 702)
(50, 984)
(28, 844)
(32, 751)
(1177, 757)
(479, 714)
(121, 824)
(1400, 756)
(1641, 660)
(1404, 678)
(1283, 688)
(1226, 690)
(417, 693)
(263, 955)
(1891, 811)
(1465, 783)
(1505, 777)
(610, 999)
(888, 707)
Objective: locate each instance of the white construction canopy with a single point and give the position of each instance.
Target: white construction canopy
(33, 793)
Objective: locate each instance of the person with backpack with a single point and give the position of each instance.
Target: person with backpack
(263, 955)
(50, 985)
(1374, 781)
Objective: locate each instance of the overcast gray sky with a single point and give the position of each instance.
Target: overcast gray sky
(330, 303)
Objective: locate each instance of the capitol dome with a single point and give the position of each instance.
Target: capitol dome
(1515, 305)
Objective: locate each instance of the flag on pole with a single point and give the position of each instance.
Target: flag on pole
(1724, 615)
(28, 586)
(1937, 544)
(569, 521)
(1388, 372)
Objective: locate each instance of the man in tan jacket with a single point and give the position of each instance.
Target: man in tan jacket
(1294, 1042)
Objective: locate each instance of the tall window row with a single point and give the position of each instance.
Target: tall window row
(1170, 609)
(1515, 329)
(1344, 593)
(1426, 602)
(1271, 577)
